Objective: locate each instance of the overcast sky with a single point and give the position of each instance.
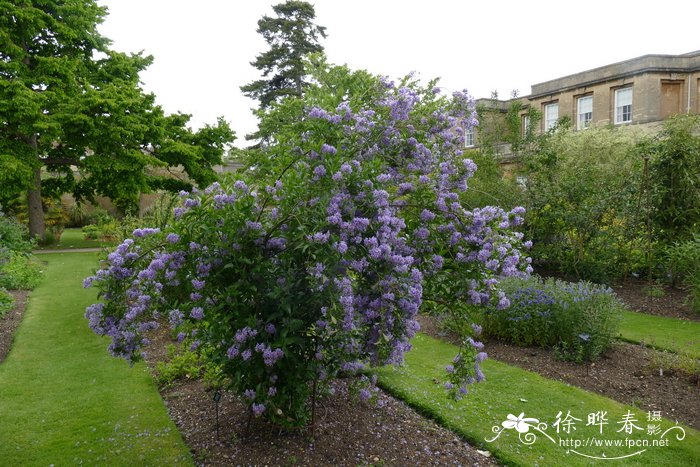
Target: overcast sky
(203, 48)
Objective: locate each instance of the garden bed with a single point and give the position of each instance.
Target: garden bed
(347, 431)
(662, 301)
(10, 321)
(626, 373)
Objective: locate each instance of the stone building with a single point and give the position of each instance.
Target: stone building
(641, 91)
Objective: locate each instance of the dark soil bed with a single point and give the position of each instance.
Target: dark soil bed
(627, 373)
(347, 432)
(662, 301)
(10, 321)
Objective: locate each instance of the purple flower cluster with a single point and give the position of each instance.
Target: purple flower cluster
(270, 356)
(197, 313)
(257, 409)
(466, 366)
(138, 233)
(244, 334)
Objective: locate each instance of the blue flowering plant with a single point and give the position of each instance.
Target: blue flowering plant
(579, 320)
(527, 320)
(316, 260)
(588, 321)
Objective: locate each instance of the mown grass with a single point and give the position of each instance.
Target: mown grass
(74, 238)
(510, 390)
(64, 400)
(676, 335)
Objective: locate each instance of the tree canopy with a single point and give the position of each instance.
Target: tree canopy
(292, 36)
(67, 101)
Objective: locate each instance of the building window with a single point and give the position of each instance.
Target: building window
(551, 115)
(469, 137)
(525, 126)
(584, 107)
(623, 105)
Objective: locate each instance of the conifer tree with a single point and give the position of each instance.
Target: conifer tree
(292, 35)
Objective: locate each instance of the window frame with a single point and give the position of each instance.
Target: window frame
(587, 122)
(525, 125)
(616, 107)
(550, 123)
(469, 137)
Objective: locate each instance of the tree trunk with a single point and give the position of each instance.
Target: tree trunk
(37, 226)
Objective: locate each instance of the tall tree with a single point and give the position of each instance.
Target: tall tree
(292, 35)
(67, 101)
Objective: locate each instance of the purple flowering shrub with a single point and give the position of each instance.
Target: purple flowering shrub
(529, 320)
(318, 261)
(578, 320)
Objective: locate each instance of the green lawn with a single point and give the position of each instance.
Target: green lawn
(74, 238)
(510, 390)
(64, 400)
(680, 336)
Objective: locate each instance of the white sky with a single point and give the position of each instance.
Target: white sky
(203, 48)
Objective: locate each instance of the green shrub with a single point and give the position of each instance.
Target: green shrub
(56, 217)
(160, 214)
(100, 216)
(91, 232)
(78, 215)
(110, 230)
(583, 204)
(664, 361)
(6, 302)
(14, 236)
(490, 186)
(184, 365)
(104, 227)
(187, 364)
(20, 272)
(81, 215)
(674, 171)
(579, 320)
(682, 261)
